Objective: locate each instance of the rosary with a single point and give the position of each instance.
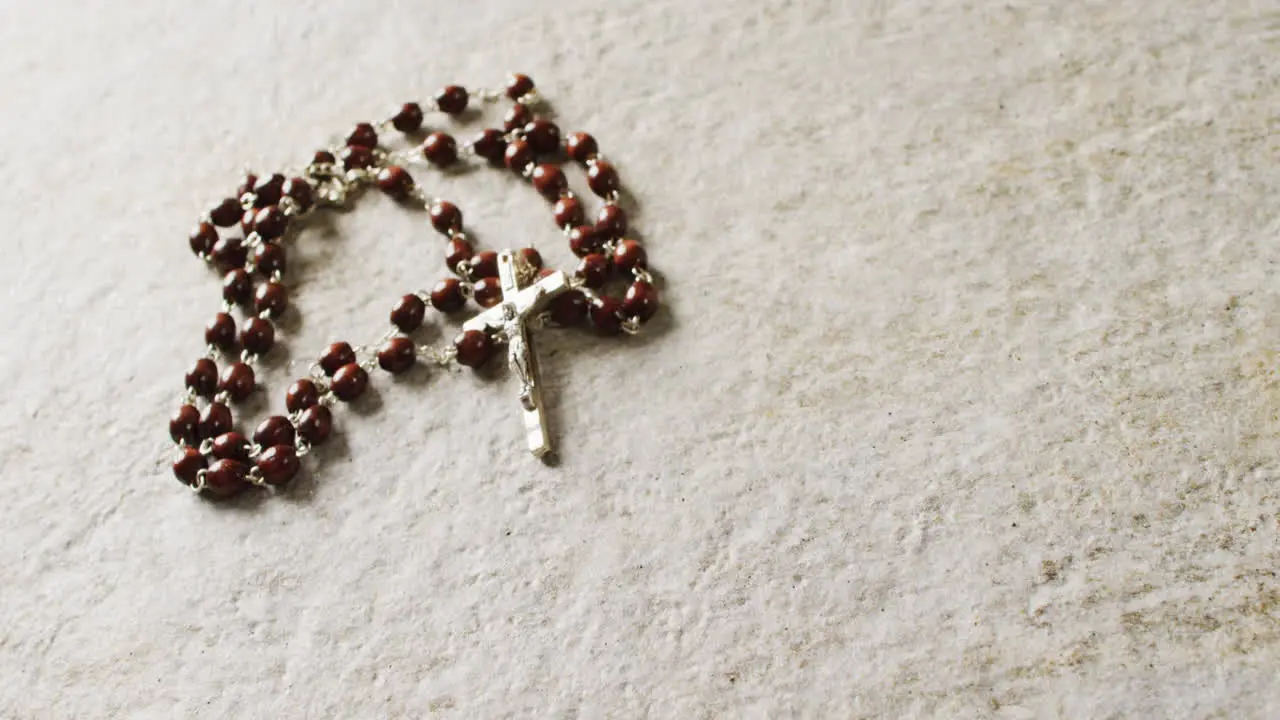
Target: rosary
(243, 239)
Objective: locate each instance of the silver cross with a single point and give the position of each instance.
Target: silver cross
(520, 306)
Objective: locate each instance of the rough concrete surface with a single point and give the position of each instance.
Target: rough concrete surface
(963, 402)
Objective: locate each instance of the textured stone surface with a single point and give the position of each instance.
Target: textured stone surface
(963, 401)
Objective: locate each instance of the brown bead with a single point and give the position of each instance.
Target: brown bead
(246, 187)
(593, 270)
(629, 255)
(270, 222)
(490, 144)
(440, 149)
(408, 119)
(602, 178)
(323, 157)
(357, 157)
(408, 312)
(363, 135)
(237, 286)
(221, 332)
(487, 291)
(258, 336)
(397, 354)
(543, 135)
(275, 430)
(225, 478)
(269, 258)
(229, 253)
(568, 308)
(247, 221)
(271, 298)
(484, 264)
(184, 425)
(581, 147)
(278, 464)
(549, 181)
(231, 446)
(641, 301)
(533, 257)
(189, 465)
(568, 212)
(215, 420)
(518, 85)
(584, 240)
(519, 156)
(445, 217)
(474, 348)
(300, 190)
(604, 315)
(315, 424)
(447, 296)
(267, 190)
(517, 117)
(302, 394)
(335, 356)
(202, 378)
(611, 222)
(203, 238)
(237, 380)
(349, 382)
(456, 252)
(226, 213)
(395, 181)
(452, 100)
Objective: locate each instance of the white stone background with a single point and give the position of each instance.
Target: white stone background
(962, 404)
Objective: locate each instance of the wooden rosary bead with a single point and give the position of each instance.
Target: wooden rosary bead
(532, 256)
(202, 378)
(226, 213)
(271, 297)
(221, 332)
(237, 286)
(267, 190)
(487, 291)
(302, 394)
(275, 430)
(315, 424)
(184, 425)
(323, 157)
(549, 181)
(484, 264)
(258, 336)
(604, 315)
(445, 217)
(641, 301)
(452, 100)
(516, 118)
(336, 356)
(357, 157)
(246, 186)
(395, 181)
(457, 251)
(269, 258)
(247, 220)
(568, 212)
(518, 85)
(300, 191)
(474, 348)
(363, 135)
(519, 155)
(278, 464)
(225, 478)
(490, 144)
(215, 420)
(602, 178)
(581, 147)
(229, 253)
(543, 135)
(231, 446)
(397, 354)
(408, 313)
(611, 222)
(447, 296)
(270, 222)
(593, 270)
(440, 149)
(188, 466)
(568, 309)
(584, 240)
(629, 255)
(237, 381)
(408, 119)
(349, 382)
(203, 238)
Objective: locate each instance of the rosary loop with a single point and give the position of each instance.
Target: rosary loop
(243, 239)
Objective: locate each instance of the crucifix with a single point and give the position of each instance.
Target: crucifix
(521, 304)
